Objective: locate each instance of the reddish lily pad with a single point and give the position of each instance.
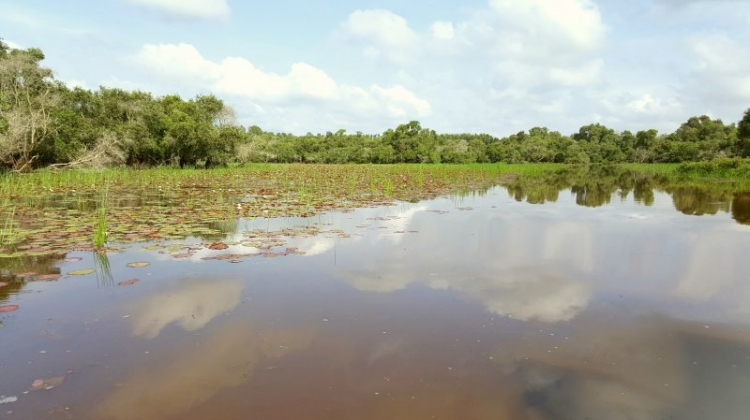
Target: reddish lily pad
(22, 275)
(182, 255)
(128, 282)
(3, 284)
(218, 246)
(8, 308)
(47, 277)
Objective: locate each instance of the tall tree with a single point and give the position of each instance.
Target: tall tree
(28, 95)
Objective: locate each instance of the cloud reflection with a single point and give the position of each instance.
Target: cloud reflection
(189, 376)
(520, 268)
(649, 369)
(191, 305)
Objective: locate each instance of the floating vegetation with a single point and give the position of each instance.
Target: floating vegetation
(48, 212)
(82, 272)
(128, 282)
(138, 264)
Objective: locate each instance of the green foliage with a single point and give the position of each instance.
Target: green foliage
(737, 168)
(58, 126)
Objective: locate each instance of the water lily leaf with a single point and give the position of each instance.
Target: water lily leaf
(8, 308)
(83, 272)
(47, 277)
(218, 246)
(72, 259)
(139, 264)
(128, 282)
(3, 284)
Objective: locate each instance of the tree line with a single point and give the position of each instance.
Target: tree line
(44, 123)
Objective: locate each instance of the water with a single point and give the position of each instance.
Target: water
(593, 305)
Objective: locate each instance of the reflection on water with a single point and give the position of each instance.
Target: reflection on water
(191, 305)
(603, 303)
(191, 376)
(597, 186)
(653, 369)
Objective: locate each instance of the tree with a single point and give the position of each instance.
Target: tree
(743, 135)
(28, 95)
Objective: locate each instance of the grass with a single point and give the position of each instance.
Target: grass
(100, 229)
(6, 233)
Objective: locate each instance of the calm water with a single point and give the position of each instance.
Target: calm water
(482, 307)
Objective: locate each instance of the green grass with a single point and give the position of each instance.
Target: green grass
(100, 230)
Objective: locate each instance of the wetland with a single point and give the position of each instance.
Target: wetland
(374, 292)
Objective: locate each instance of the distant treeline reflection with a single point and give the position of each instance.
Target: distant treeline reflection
(598, 186)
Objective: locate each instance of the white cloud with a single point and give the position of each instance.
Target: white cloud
(585, 75)
(384, 26)
(574, 23)
(648, 104)
(443, 31)
(384, 33)
(723, 66)
(12, 45)
(302, 85)
(190, 9)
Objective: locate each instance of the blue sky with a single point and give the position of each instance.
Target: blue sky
(494, 66)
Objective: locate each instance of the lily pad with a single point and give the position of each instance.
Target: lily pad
(128, 282)
(8, 308)
(139, 264)
(218, 246)
(83, 272)
(47, 277)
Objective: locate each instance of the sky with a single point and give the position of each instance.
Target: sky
(478, 66)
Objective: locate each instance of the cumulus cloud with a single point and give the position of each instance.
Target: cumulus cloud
(574, 23)
(384, 33)
(723, 67)
(239, 78)
(187, 9)
(443, 31)
(587, 74)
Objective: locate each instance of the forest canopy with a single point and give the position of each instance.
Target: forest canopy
(44, 123)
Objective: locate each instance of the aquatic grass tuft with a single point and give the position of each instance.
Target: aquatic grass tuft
(6, 234)
(100, 229)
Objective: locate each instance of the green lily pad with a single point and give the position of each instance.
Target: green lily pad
(81, 272)
(139, 264)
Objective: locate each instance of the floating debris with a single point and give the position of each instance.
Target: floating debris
(47, 383)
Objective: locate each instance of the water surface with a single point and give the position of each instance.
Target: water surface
(569, 304)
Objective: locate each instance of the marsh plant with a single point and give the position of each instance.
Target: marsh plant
(6, 234)
(104, 276)
(100, 229)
